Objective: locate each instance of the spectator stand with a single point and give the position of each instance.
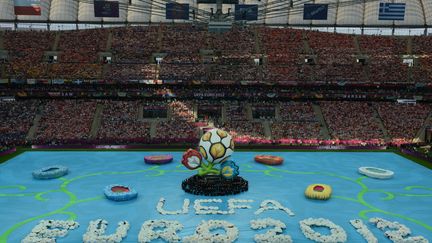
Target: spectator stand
(121, 123)
(16, 119)
(180, 127)
(351, 120)
(65, 121)
(238, 123)
(26, 53)
(209, 111)
(403, 121)
(297, 121)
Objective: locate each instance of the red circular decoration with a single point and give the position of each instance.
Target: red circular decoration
(189, 154)
(119, 189)
(318, 188)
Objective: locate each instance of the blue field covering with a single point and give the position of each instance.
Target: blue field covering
(407, 198)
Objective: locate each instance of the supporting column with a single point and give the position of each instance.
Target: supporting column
(325, 132)
(380, 122)
(1, 40)
(153, 128)
(56, 41)
(248, 111)
(420, 136)
(97, 121)
(224, 113)
(267, 129)
(33, 129)
(109, 42)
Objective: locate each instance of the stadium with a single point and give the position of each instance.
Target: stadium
(215, 121)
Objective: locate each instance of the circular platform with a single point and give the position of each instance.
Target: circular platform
(375, 172)
(214, 185)
(318, 191)
(50, 172)
(118, 192)
(269, 159)
(158, 159)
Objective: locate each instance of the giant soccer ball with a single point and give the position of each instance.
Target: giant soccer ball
(216, 146)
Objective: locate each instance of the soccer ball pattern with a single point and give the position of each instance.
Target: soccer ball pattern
(216, 146)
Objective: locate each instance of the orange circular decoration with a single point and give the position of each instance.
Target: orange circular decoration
(269, 159)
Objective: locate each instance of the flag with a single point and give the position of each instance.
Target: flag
(246, 12)
(177, 11)
(315, 11)
(27, 7)
(31, 81)
(391, 11)
(106, 9)
(57, 81)
(214, 1)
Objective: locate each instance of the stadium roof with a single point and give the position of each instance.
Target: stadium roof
(343, 13)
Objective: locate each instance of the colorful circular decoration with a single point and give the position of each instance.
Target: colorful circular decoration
(318, 191)
(158, 159)
(192, 159)
(269, 159)
(118, 192)
(229, 169)
(50, 172)
(375, 172)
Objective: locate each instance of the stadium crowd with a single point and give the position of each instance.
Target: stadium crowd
(16, 118)
(180, 126)
(403, 121)
(216, 57)
(120, 123)
(240, 125)
(297, 121)
(26, 53)
(71, 121)
(336, 64)
(134, 45)
(82, 46)
(351, 120)
(65, 121)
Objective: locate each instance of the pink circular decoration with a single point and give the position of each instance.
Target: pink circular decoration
(158, 159)
(120, 189)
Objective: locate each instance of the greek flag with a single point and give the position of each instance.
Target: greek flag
(391, 11)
